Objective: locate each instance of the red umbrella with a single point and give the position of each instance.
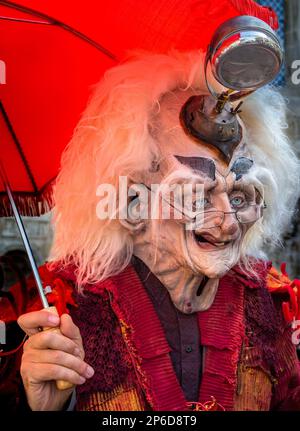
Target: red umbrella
(51, 52)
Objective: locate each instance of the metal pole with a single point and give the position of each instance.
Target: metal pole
(24, 238)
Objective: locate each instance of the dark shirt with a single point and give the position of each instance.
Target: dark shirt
(181, 331)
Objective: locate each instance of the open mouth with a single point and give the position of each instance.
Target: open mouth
(208, 242)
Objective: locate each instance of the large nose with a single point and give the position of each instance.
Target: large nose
(230, 225)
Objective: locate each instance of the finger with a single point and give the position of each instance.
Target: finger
(31, 322)
(70, 330)
(48, 372)
(52, 340)
(58, 357)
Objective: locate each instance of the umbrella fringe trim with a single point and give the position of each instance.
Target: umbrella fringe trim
(28, 204)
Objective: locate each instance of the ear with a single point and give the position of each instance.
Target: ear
(136, 216)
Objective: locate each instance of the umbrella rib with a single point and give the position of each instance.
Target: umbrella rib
(19, 148)
(62, 25)
(29, 21)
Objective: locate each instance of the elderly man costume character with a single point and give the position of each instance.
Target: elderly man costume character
(172, 312)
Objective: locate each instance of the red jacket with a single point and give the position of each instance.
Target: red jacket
(250, 362)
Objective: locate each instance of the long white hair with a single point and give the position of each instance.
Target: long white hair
(114, 138)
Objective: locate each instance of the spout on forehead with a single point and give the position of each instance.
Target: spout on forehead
(222, 130)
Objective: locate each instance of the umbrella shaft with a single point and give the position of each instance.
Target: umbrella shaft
(26, 245)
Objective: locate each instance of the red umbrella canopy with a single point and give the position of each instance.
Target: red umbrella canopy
(52, 52)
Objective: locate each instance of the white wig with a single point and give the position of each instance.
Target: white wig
(114, 138)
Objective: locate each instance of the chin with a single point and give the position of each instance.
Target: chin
(212, 260)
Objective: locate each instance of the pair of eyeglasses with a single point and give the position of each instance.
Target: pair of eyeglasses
(215, 218)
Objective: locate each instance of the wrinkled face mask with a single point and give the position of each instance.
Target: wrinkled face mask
(203, 143)
(230, 203)
(225, 194)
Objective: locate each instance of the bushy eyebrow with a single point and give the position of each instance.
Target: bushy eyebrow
(204, 165)
(241, 166)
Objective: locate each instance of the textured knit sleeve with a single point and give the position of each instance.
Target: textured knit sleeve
(286, 297)
(286, 394)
